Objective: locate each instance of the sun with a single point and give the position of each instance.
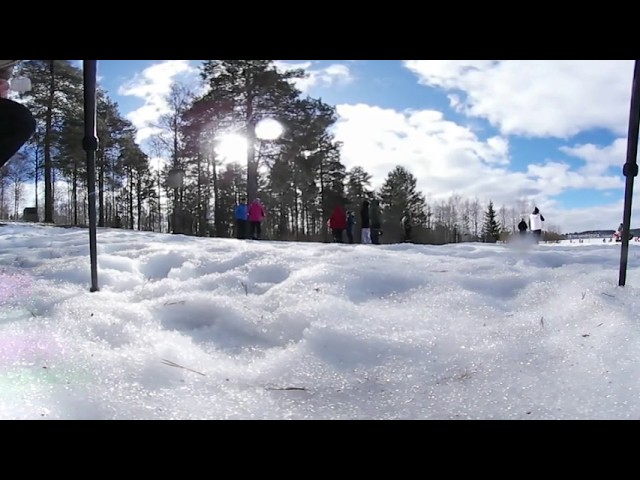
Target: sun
(232, 147)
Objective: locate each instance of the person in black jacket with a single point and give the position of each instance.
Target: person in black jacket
(375, 219)
(522, 226)
(364, 222)
(16, 121)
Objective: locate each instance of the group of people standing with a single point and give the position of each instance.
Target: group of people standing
(535, 225)
(249, 217)
(342, 221)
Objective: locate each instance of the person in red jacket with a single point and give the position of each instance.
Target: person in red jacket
(338, 223)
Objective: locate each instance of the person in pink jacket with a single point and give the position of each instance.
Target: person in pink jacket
(256, 216)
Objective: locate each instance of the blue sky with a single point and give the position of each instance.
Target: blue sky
(552, 132)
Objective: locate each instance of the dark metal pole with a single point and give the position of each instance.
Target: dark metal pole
(630, 170)
(90, 145)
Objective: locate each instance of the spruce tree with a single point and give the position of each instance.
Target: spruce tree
(491, 228)
(400, 195)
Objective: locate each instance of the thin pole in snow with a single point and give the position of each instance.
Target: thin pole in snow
(630, 170)
(90, 145)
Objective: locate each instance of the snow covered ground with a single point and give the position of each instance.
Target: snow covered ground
(195, 328)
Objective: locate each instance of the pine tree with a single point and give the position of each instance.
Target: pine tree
(56, 92)
(252, 90)
(306, 169)
(491, 228)
(358, 186)
(399, 195)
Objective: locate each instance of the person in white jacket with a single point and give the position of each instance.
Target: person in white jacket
(535, 224)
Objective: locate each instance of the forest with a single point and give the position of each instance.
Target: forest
(299, 176)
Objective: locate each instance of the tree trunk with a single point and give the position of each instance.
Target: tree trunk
(252, 167)
(160, 229)
(130, 175)
(16, 197)
(217, 224)
(75, 194)
(139, 199)
(199, 209)
(36, 173)
(101, 191)
(48, 185)
(323, 214)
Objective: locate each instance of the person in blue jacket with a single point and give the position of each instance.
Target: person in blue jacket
(242, 215)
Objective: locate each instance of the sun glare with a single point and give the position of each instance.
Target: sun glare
(232, 147)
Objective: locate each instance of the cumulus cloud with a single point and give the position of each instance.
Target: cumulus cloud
(599, 159)
(601, 217)
(536, 98)
(449, 158)
(153, 85)
(332, 75)
(444, 156)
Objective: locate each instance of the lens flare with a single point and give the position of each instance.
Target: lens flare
(14, 285)
(269, 129)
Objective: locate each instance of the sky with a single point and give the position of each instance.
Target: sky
(550, 131)
(209, 328)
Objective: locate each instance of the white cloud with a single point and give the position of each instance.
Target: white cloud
(443, 155)
(538, 98)
(334, 74)
(449, 158)
(599, 159)
(153, 85)
(556, 177)
(605, 217)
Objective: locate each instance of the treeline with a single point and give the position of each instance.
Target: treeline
(54, 163)
(298, 176)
